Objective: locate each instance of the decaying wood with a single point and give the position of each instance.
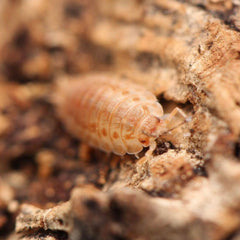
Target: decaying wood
(178, 44)
(32, 218)
(187, 53)
(125, 213)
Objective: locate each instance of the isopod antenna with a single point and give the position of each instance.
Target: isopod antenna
(186, 120)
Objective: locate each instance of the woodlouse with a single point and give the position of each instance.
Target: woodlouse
(109, 113)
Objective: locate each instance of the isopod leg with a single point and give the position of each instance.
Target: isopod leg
(152, 147)
(136, 156)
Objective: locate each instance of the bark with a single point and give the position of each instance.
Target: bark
(187, 53)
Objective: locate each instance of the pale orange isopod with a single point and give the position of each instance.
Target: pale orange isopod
(109, 113)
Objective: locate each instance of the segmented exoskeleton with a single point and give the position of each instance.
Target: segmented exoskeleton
(109, 113)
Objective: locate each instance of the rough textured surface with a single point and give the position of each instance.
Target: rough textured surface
(55, 187)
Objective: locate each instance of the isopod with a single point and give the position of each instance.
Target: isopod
(110, 113)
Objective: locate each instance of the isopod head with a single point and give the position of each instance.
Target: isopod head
(152, 124)
(151, 128)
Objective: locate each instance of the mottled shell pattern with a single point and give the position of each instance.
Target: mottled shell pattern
(109, 113)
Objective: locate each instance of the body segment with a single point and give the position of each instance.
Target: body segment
(109, 113)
